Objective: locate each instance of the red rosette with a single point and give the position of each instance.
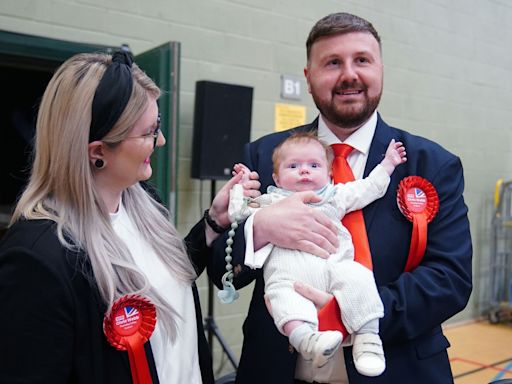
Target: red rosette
(417, 195)
(128, 326)
(418, 201)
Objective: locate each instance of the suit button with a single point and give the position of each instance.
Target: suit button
(290, 348)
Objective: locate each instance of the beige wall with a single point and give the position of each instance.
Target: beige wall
(448, 77)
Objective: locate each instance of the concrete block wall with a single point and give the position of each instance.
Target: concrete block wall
(448, 77)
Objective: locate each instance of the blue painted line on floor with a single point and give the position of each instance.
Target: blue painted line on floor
(508, 368)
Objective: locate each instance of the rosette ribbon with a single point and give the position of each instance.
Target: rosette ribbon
(418, 201)
(128, 326)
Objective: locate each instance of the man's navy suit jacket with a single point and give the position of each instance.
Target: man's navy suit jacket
(415, 304)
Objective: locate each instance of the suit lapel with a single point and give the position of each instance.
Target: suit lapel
(312, 127)
(380, 142)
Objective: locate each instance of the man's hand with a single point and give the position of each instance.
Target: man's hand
(292, 224)
(328, 318)
(318, 297)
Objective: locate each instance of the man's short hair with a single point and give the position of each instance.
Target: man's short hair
(339, 24)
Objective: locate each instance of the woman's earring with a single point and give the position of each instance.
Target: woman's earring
(99, 163)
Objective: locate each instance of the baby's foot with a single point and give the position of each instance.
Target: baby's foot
(368, 354)
(320, 346)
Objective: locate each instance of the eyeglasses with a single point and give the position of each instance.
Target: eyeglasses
(153, 134)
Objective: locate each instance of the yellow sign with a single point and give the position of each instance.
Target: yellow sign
(288, 116)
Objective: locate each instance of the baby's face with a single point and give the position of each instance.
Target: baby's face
(303, 167)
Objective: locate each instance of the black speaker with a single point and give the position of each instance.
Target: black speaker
(222, 125)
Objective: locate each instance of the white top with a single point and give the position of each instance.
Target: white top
(176, 363)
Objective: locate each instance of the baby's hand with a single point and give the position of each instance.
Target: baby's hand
(395, 155)
(241, 168)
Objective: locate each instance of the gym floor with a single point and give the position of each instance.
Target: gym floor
(480, 352)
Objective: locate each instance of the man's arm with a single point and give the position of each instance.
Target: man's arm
(441, 285)
(420, 300)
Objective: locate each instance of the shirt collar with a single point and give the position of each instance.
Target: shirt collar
(360, 139)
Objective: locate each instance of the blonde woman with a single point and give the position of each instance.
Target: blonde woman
(85, 233)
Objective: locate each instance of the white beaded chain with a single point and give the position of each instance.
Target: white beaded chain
(229, 294)
(238, 206)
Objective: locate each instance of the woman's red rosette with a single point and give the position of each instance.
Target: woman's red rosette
(418, 201)
(127, 327)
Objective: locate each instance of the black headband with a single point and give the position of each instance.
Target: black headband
(112, 95)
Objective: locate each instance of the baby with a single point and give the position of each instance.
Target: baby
(301, 163)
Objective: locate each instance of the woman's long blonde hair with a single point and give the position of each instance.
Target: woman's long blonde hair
(62, 187)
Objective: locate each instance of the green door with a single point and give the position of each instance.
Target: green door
(162, 65)
(36, 53)
(26, 65)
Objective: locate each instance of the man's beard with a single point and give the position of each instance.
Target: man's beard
(348, 116)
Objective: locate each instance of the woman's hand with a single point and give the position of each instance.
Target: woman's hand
(219, 209)
(291, 223)
(250, 180)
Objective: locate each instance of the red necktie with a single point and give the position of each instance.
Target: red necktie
(353, 221)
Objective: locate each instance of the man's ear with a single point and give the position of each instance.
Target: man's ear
(306, 74)
(96, 151)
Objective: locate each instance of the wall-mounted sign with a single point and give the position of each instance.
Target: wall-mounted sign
(291, 87)
(288, 116)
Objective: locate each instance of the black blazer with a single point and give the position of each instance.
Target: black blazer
(415, 304)
(51, 327)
